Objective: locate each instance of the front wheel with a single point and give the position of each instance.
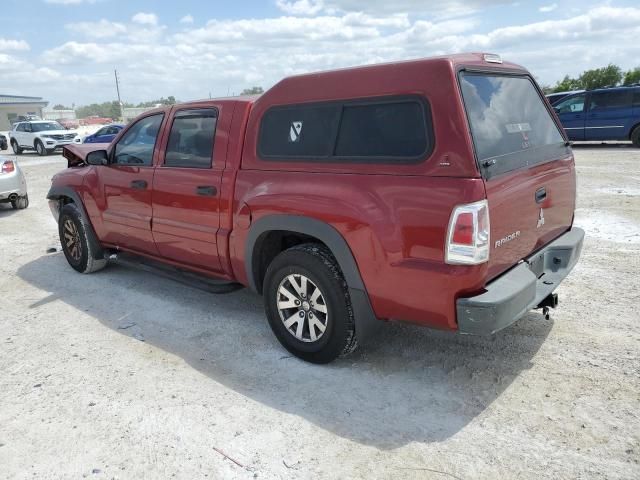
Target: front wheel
(308, 305)
(77, 248)
(40, 148)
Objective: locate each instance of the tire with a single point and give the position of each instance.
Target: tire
(16, 148)
(40, 148)
(21, 203)
(635, 136)
(332, 308)
(78, 250)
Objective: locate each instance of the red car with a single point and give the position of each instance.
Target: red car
(438, 191)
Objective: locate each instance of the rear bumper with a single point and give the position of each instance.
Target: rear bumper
(511, 295)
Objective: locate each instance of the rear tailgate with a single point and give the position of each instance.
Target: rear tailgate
(528, 170)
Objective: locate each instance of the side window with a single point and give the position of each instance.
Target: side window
(20, 127)
(299, 131)
(191, 138)
(102, 131)
(571, 105)
(136, 146)
(614, 99)
(636, 98)
(388, 129)
(27, 127)
(112, 131)
(382, 130)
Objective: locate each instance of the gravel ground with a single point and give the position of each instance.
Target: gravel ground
(124, 375)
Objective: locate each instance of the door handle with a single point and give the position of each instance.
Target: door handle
(139, 184)
(541, 194)
(207, 190)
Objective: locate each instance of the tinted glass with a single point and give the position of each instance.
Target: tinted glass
(299, 131)
(102, 131)
(44, 127)
(571, 105)
(20, 127)
(191, 139)
(507, 116)
(382, 130)
(136, 146)
(614, 99)
(636, 98)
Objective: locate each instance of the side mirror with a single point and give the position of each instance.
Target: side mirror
(99, 157)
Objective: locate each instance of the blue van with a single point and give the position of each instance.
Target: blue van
(602, 114)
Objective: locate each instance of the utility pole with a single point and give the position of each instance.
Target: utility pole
(115, 72)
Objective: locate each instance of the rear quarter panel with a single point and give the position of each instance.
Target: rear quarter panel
(395, 227)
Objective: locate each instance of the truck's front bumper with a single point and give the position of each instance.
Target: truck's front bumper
(522, 288)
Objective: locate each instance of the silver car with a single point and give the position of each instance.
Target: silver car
(13, 186)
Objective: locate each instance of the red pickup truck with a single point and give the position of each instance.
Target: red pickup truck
(438, 191)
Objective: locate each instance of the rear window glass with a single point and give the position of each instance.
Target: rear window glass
(386, 130)
(509, 121)
(614, 99)
(393, 129)
(299, 131)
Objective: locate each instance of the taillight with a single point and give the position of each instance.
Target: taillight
(8, 166)
(468, 235)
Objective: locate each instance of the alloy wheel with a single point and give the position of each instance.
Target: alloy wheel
(302, 308)
(72, 240)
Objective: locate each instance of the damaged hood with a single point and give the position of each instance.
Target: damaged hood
(76, 154)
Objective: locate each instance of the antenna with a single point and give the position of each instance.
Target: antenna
(115, 73)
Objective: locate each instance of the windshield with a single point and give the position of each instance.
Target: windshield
(509, 120)
(45, 126)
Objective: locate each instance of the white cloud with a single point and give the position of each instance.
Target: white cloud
(9, 44)
(187, 19)
(188, 61)
(300, 7)
(145, 18)
(548, 8)
(100, 29)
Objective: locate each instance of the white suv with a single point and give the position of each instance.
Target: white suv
(43, 136)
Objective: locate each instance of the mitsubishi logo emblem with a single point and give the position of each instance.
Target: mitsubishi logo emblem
(540, 219)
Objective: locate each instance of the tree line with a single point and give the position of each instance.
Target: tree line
(112, 109)
(609, 76)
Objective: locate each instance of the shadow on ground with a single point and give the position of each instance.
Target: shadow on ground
(410, 385)
(6, 210)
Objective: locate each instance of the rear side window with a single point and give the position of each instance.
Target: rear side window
(613, 99)
(381, 130)
(510, 123)
(191, 138)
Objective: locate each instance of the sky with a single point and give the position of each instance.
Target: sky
(66, 50)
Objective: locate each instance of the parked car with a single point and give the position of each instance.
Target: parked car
(3, 142)
(557, 96)
(13, 186)
(69, 123)
(602, 114)
(437, 191)
(106, 134)
(43, 136)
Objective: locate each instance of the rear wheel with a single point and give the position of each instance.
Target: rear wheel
(77, 248)
(40, 148)
(308, 305)
(20, 202)
(16, 148)
(635, 136)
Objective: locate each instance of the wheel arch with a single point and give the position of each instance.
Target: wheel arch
(68, 195)
(268, 237)
(633, 129)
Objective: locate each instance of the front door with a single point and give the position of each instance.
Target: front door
(186, 187)
(609, 115)
(126, 184)
(572, 115)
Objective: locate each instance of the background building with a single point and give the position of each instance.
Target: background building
(12, 107)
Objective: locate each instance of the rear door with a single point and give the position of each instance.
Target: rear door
(571, 111)
(186, 187)
(609, 115)
(528, 170)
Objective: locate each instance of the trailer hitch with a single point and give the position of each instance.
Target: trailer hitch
(550, 301)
